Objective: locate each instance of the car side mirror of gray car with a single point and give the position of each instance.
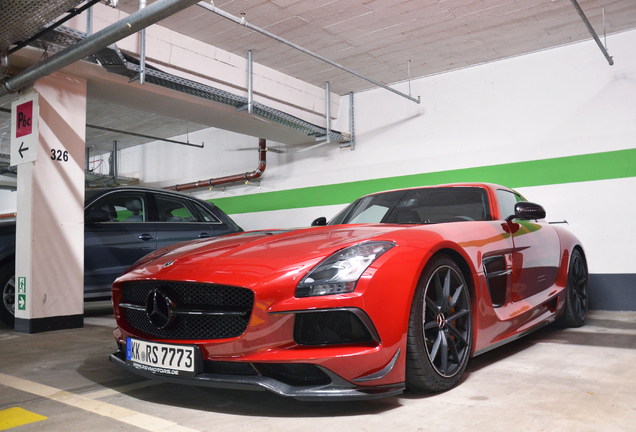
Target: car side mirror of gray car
(321, 221)
(526, 210)
(97, 215)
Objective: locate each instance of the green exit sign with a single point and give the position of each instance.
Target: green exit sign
(21, 300)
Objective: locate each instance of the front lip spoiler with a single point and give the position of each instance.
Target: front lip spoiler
(339, 389)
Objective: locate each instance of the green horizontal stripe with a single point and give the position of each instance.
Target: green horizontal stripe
(571, 169)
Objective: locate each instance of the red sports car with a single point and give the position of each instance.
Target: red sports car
(397, 291)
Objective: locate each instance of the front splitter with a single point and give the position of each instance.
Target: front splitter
(338, 389)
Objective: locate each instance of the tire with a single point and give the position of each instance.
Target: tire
(576, 292)
(7, 285)
(440, 331)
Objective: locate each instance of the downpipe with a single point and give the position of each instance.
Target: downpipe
(258, 172)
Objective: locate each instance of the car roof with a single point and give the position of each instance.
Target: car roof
(491, 186)
(93, 194)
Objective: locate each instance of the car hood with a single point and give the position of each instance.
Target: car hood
(254, 257)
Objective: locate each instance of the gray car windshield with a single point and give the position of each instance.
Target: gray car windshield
(418, 206)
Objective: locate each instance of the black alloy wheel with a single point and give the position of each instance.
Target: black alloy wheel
(7, 284)
(577, 291)
(440, 328)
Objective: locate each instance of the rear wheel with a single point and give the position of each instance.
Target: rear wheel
(440, 328)
(7, 284)
(576, 294)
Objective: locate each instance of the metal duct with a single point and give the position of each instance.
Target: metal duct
(111, 34)
(258, 172)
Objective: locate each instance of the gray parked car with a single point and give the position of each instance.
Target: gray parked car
(121, 226)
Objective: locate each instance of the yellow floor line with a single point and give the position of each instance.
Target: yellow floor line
(125, 415)
(14, 417)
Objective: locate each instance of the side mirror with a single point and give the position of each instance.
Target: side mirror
(527, 210)
(321, 221)
(97, 215)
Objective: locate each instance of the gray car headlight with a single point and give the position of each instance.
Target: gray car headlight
(340, 272)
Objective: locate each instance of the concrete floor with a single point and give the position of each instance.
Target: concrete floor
(553, 380)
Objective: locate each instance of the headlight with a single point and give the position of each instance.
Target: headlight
(340, 272)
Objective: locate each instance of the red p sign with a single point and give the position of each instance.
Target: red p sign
(23, 118)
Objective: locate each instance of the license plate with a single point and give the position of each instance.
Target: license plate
(161, 358)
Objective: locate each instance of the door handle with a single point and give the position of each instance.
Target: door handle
(204, 235)
(146, 237)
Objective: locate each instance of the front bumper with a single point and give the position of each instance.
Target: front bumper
(337, 389)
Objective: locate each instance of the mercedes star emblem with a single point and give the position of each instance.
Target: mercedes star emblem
(159, 308)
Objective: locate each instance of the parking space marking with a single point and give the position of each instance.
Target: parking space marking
(124, 415)
(98, 394)
(14, 417)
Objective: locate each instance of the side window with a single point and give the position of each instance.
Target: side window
(507, 201)
(122, 207)
(173, 210)
(206, 214)
(373, 214)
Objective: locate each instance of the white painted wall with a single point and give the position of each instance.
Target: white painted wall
(600, 214)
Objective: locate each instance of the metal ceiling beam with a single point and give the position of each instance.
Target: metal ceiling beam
(609, 58)
(243, 22)
(133, 23)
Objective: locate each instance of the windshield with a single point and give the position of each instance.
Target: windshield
(418, 206)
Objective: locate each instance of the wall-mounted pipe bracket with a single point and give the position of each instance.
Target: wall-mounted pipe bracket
(142, 49)
(328, 110)
(250, 86)
(113, 161)
(352, 142)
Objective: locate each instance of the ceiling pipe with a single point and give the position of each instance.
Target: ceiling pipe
(243, 22)
(258, 172)
(72, 13)
(576, 5)
(132, 24)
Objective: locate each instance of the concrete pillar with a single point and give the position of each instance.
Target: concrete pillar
(50, 206)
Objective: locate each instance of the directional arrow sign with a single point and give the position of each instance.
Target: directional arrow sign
(24, 129)
(21, 302)
(22, 149)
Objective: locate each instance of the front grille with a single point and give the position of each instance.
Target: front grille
(327, 328)
(190, 295)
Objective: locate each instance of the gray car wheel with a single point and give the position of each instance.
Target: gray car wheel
(7, 283)
(440, 327)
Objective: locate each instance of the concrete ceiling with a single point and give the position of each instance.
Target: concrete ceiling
(376, 38)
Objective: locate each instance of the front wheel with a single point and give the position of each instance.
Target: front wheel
(440, 328)
(7, 284)
(576, 292)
